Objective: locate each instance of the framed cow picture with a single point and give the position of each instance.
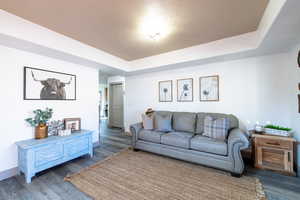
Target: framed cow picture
(42, 84)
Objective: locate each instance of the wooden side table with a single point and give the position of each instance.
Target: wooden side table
(274, 153)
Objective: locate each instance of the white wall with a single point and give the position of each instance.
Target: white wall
(13, 109)
(255, 89)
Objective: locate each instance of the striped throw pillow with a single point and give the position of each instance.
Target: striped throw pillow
(216, 128)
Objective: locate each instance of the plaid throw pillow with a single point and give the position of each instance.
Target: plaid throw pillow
(216, 128)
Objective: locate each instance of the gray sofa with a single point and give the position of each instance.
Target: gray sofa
(186, 142)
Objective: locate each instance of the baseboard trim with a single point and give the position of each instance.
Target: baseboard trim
(8, 173)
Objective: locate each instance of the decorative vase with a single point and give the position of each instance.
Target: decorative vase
(41, 131)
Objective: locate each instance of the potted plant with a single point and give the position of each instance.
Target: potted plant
(277, 130)
(39, 121)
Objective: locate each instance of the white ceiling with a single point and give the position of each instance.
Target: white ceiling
(278, 30)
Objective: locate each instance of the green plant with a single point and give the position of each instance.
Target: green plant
(271, 126)
(41, 117)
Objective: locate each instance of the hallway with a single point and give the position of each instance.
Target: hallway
(113, 136)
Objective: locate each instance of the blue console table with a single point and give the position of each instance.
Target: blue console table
(37, 155)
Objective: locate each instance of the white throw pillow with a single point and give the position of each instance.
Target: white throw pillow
(148, 122)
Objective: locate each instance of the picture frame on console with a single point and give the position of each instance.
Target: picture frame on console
(73, 123)
(185, 90)
(209, 88)
(165, 91)
(40, 84)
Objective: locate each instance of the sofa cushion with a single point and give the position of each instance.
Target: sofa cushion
(178, 139)
(216, 128)
(210, 145)
(150, 136)
(184, 121)
(233, 121)
(163, 121)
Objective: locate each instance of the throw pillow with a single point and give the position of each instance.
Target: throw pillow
(147, 122)
(216, 128)
(163, 123)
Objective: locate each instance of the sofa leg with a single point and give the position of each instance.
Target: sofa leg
(236, 175)
(134, 149)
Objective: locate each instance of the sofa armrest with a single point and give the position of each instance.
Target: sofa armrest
(237, 141)
(135, 129)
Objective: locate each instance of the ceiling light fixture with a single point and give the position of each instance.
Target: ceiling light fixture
(154, 25)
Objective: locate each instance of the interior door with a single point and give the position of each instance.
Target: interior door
(116, 112)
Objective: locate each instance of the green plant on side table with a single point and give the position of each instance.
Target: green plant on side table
(39, 121)
(277, 130)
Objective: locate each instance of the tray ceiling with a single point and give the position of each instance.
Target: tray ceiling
(113, 26)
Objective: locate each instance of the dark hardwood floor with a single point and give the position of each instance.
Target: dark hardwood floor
(51, 186)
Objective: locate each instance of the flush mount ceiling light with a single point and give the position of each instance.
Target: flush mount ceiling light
(154, 25)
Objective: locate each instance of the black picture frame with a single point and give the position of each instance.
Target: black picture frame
(48, 71)
(298, 59)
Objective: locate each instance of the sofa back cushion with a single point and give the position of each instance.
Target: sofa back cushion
(233, 121)
(216, 128)
(163, 121)
(184, 121)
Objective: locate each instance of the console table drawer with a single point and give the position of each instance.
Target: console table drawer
(76, 146)
(48, 153)
(282, 144)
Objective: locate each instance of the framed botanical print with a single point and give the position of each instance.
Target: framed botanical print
(165, 91)
(209, 88)
(42, 84)
(185, 90)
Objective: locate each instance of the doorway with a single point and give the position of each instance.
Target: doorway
(116, 105)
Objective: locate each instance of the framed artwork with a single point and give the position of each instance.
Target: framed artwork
(209, 88)
(42, 84)
(72, 123)
(185, 90)
(165, 91)
(299, 103)
(298, 59)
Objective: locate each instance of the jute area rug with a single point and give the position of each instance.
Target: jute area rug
(139, 175)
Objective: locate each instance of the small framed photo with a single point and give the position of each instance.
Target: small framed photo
(209, 88)
(165, 91)
(185, 90)
(73, 123)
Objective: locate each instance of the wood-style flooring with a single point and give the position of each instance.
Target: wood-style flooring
(50, 184)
